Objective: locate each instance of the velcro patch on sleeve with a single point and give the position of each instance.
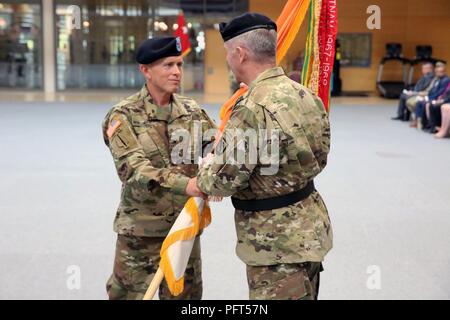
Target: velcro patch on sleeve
(113, 126)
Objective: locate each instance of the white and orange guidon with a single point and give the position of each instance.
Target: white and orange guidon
(176, 248)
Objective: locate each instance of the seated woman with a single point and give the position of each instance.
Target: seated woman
(433, 109)
(445, 128)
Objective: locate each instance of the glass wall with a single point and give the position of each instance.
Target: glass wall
(97, 39)
(200, 15)
(20, 44)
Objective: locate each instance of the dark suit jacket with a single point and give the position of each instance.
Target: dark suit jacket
(438, 88)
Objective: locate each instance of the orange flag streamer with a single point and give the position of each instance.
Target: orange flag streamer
(288, 24)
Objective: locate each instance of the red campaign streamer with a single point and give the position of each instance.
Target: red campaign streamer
(327, 38)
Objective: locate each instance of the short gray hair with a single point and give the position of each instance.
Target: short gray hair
(261, 43)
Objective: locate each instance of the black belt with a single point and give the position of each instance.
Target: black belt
(275, 202)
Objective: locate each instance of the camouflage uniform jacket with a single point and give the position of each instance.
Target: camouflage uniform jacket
(137, 133)
(302, 231)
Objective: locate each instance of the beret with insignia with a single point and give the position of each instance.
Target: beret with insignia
(244, 23)
(157, 48)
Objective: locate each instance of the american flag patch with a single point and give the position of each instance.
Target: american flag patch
(113, 126)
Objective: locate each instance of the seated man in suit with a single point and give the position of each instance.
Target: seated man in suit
(421, 88)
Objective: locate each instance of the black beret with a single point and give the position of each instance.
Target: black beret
(156, 48)
(244, 23)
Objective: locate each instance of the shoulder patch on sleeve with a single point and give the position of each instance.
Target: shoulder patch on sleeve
(113, 126)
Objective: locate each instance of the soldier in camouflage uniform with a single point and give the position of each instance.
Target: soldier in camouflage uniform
(139, 133)
(282, 224)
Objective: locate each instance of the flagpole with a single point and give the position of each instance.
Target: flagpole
(154, 285)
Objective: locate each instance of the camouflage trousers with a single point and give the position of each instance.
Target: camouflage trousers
(294, 281)
(136, 262)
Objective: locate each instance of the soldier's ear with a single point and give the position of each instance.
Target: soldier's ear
(145, 71)
(242, 54)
